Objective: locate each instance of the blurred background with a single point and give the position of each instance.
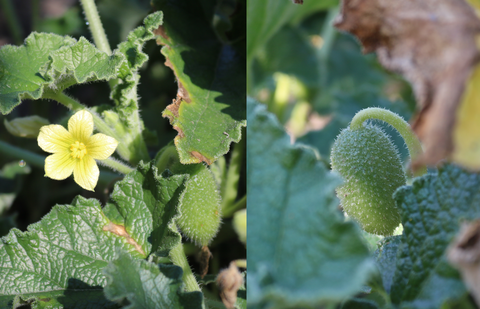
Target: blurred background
(313, 77)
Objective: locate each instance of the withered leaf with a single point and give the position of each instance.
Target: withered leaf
(433, 45)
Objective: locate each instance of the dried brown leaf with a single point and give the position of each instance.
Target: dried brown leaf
(229, 281)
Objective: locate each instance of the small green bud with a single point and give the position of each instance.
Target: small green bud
(200, 201)
(26, 126)
(372, 170)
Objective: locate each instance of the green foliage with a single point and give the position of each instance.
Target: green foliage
(371, 168)
(146, 285)
(432, 209)
(125, 119)
(199, 202)
(19, 80)
(295, 210)
(63, 255)
(210, 108)
(123, 248)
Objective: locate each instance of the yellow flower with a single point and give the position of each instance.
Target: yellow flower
(75, 150)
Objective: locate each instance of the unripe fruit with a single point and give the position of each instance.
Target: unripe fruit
(372, 170)
(200, 201)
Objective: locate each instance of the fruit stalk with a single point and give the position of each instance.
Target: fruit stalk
(403, 128)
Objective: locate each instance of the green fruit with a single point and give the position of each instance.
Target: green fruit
(200, 201)
(371, 167)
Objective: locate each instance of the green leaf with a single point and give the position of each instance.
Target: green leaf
(432, 210)
(146, 285)
(293, 209)
(126, 119)
(80, 63)
(265, 18)
(386, 258)
(210, 107)
(146, 205)
(60, 259)
(50, 63)
(20, 76)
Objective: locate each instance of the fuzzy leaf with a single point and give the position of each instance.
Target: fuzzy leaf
(293, 208)
(126, 119)
(386, 258)
(20, 67)
(60, 259)
(146, 285)
(210, 107)
(432, 210)
(49, 63)
(83, 62)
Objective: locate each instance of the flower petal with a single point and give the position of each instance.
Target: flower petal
(86, 173)
(54, 138)
(101, 146)
(81, 125)
(59, 165)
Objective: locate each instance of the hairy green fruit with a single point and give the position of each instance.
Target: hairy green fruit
(200, 201)
(371, 167)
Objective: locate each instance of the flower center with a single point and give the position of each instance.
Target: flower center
(78, 150)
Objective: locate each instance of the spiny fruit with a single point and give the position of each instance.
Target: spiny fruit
(200, 201)
(371, 167)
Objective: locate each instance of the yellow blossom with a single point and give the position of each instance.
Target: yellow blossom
(75, 150)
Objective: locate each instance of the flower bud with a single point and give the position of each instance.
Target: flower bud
(26, 126)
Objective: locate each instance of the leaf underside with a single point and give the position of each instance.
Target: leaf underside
(294, 209)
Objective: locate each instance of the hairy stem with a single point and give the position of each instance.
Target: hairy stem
(38, 160)
(240, 204)
(117, 165)
(412, 141)
(95, 25)
(180, 259)
(101, 126)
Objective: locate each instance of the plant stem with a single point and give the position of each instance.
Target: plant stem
(95, 25)
(180, 259)
(98, 33)
(412, 141)
(38, 160)
(240, 204)
(116, 165)
(22, 154)
(101, 126)
(12, 20)
(230, 189)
